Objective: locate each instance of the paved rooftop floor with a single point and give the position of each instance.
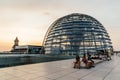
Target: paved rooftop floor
(62, 70)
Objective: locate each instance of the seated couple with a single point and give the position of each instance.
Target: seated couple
(88, 62)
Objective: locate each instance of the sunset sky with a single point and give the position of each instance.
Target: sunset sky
(29, 19)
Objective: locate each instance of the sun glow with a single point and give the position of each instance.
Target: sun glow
(29, 27)
(29, 19)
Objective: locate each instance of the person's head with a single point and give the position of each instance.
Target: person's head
(84, 54)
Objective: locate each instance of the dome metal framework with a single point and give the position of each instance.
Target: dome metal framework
(76, 34)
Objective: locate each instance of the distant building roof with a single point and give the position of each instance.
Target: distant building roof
(27, 46)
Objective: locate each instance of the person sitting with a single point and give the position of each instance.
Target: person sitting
(90, 59)
(84, 59)
(77, 62)
(108, 56)
(88, 63)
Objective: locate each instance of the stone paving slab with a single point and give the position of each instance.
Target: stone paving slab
(63, 70)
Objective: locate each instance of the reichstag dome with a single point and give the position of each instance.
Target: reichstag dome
(76, 34)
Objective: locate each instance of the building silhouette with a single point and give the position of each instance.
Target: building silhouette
(26, 49)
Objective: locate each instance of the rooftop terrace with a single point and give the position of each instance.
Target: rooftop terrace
(63, 70)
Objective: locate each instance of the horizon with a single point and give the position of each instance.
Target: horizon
(29, 20)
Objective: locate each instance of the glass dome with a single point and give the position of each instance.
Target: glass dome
(76, 34)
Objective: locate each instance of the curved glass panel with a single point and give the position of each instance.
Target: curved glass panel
(76, 34)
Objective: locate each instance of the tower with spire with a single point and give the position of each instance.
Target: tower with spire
(16, 43)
